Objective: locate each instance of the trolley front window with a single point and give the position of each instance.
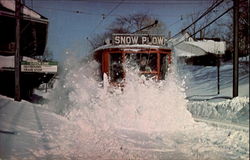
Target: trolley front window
(116, 67)
(145, 61)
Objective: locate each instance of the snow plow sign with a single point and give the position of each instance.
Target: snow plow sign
(132, 39)
(45, 67)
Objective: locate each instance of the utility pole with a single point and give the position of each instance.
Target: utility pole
(218, 74)
(18, 8)
(236, 50)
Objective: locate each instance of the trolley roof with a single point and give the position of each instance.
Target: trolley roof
(135, 47)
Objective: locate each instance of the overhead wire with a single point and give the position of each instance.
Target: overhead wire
(91, 13)
(102, 20)
(206, 25)
(106, 16)
(125, 1)
(214, 5)
(181, 18)
(135, 2)
(71, 11)
(132, 1)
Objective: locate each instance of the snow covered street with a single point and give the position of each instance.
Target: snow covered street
(27, 124)
(41, 134)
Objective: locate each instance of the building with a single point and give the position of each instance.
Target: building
(198, 52)
(34, 28)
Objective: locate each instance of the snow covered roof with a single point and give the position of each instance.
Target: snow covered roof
(188, 50)
(210, 46)
(185, 45)
(199, 48)
(182, 37)
(10, 4)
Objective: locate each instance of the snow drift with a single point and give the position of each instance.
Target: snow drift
(230, 111)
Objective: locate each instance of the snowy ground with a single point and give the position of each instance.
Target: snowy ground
(83, 120)
(202, 80)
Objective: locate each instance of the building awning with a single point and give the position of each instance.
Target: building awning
(7, 8)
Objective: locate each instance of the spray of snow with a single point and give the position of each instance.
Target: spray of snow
(142, 104)
(98, 110)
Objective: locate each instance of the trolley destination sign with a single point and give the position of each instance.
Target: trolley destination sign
(132, 39)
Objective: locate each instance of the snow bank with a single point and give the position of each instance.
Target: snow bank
(232, 111)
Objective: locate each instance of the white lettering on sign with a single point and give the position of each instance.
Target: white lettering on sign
(123, 40)
(161, 40)
(126, 39)
(135, 40)
(117, 40)
(144, 40)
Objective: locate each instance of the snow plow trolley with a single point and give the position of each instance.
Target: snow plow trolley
(147, 52)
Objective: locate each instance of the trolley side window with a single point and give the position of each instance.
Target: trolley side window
(116, 68)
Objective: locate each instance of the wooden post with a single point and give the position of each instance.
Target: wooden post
(236, 50)
(17, 53)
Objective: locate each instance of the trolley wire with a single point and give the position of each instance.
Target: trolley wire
(72, 11)
(95, 14)
(132, 1)
(214, 5)
(106, 16)
(205, 25)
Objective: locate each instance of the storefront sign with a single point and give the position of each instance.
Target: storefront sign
(47, 67)
(132, 39)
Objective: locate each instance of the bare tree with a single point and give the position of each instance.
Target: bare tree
(130, 24)
(99, 39)
(135, 22)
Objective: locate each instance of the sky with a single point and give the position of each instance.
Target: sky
(72, 21)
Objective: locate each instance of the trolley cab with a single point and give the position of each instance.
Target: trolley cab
(147, 52)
